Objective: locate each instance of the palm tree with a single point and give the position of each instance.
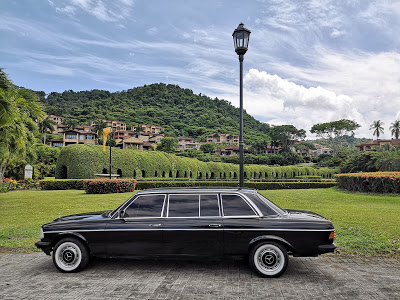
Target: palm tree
(395, 128)
(377, 127)
(8, 96)
(46, 124)
(138, 129)
(98, 128)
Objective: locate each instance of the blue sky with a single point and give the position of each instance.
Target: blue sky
(308, 61)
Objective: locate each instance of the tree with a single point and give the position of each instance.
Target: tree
(46, 124)
(168, 144)
(70, 123)
(139, 129)
(8, 109)
(98, 128)
(287, 135)
(395, 128)
(377, 126)
(334, 132)
(305, 146)
(17, 133)
(208, 148)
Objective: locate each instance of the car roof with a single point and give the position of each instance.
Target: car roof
(198, 190)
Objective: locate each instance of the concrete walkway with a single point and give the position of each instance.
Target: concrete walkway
(33, 276)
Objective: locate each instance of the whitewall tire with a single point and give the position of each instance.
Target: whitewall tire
(70, 255)
(268, 259)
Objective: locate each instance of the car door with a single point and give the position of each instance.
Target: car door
(137, 230)
(241, 224)
(193, 225)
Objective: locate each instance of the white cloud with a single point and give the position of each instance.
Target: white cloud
(336, 33)
(152, 31)
(283, 102)
(69, 10)
(107, 11)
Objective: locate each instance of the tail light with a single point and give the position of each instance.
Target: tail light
(332, 235)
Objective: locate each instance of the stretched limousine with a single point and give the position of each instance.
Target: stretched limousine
(190, 222)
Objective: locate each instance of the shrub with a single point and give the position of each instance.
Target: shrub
(309, 178)
(143, 185)
(63, 184)
(104, 186)
(7, 184)
(373, 182)
(83, 161)
(28, 184)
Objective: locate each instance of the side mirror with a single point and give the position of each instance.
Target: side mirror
(121, 214)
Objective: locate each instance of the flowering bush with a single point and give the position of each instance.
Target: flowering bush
(7, 184)
(27, 184)
(373, 182)
(103, 186)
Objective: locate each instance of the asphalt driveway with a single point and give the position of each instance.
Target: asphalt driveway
(33, 276)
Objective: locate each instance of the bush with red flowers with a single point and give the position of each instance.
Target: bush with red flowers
(372, 182)
(108, 186)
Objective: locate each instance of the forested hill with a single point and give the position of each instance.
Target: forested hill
(178, 110)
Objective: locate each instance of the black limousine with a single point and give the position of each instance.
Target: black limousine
(190, 222)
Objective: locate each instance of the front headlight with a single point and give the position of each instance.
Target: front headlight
(41, 234)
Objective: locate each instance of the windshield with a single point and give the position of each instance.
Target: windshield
(115, 210)
(272, 205)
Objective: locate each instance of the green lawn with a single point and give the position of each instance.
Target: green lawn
(366, 224)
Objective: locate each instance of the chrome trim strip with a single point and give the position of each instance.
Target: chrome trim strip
(194, 229)
(277, 229)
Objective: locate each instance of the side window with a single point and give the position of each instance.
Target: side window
(145, 206)
(183, 206)
(234, 205)
(209, 206)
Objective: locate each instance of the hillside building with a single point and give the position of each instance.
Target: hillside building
(148, 128)
(187, 143)
(73, 136)
(376, 144)
(220, 138)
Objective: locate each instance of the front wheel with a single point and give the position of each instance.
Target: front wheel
(70, 255)
(269, 259)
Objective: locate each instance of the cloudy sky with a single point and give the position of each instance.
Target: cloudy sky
(308, 61)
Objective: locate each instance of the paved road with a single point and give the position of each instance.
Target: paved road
(33, 276)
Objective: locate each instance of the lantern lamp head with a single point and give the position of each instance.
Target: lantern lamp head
(241, 37)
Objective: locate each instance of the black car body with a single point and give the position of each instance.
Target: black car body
(190, 223)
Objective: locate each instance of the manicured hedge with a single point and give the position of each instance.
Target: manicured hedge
(143, 185)
(63, 184)
(374, 182)
(107, 186)
(83, 161)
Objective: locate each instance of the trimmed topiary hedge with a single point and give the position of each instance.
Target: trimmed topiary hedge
(143, 185)
(83, 161)
(373, 182)
(107, 186)
(63, 184)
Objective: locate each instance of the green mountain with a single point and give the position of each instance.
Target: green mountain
(178, 110)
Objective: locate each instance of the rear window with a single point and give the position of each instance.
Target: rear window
(183, 206)
(234, 205)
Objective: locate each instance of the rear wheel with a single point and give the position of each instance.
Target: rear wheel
(70, 255)
(269, 259)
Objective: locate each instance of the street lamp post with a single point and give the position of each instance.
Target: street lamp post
(241, 37)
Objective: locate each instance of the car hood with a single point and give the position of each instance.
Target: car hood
(84, 216)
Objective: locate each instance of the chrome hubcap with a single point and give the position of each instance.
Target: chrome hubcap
(68, 256)
(269, 260)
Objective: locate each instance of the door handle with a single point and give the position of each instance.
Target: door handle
(155, 225)
(214, 225)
